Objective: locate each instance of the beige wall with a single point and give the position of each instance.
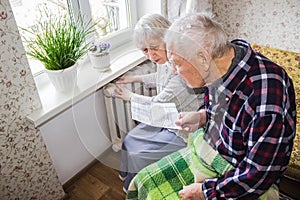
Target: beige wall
(26, 171)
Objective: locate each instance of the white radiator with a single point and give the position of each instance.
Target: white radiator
(118, 111)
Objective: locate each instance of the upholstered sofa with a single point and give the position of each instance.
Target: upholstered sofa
(290, 61)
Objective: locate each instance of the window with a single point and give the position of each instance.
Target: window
(115, 18)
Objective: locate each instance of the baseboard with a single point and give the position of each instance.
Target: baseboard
(66, 197)
(72, 180)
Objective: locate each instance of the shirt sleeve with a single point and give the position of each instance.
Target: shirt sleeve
(176, 91)
(149, 80)
(269, 148)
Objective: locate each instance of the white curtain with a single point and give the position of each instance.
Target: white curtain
(193, 6)
(177, 8)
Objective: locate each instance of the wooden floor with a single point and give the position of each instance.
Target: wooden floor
(99, 181)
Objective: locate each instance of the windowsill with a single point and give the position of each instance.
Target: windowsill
(89, 80)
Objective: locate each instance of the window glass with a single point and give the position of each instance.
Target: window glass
(107, 13)
(26, 14)
(112, 17)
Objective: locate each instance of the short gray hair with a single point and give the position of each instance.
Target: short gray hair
(195, 33)
(152, 26)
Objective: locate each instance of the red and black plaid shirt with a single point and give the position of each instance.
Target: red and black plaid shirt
(251, 122)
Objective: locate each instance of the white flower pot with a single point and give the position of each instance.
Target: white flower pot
(100, 61)
(64, 80)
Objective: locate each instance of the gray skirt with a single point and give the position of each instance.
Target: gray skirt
(144, 145)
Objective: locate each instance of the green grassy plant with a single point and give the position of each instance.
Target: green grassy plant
(59, 41)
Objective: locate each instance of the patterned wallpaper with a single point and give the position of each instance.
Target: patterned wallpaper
(26, 171)
(273, 23)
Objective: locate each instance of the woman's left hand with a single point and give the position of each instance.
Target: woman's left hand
(192, 192)
(122, 93)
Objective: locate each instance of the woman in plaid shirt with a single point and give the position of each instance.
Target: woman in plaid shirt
(250, 112)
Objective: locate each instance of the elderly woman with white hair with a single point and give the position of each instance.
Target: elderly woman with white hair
(146, 144)
(245, 131)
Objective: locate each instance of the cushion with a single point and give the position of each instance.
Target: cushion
(290, 61)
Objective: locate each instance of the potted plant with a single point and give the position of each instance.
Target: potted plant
(59, 42)
(99, 55)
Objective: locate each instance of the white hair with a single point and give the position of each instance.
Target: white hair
(150, 26)
(195, 33)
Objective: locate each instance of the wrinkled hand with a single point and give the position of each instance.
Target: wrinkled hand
(122, 93)
(192, 192)
(191, 121)
(126, 79)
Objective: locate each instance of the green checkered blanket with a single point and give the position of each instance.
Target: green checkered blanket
(165, 178)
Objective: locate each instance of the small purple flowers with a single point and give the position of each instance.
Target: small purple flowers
(100, 47)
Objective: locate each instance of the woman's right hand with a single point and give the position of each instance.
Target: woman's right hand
(191, 121)
(128, 79)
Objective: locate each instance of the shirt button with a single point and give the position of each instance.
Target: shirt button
(227, 99)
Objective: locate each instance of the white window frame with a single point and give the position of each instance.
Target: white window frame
(115, 39)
